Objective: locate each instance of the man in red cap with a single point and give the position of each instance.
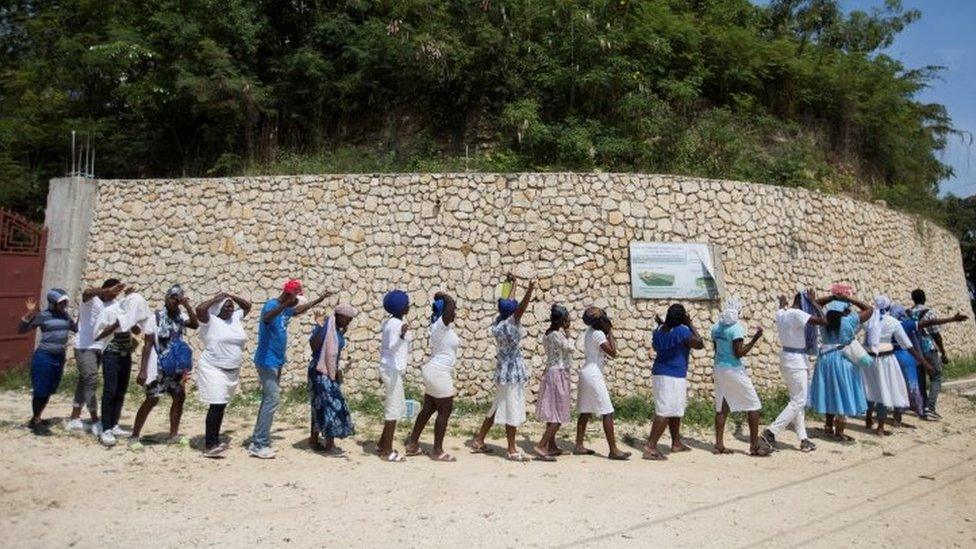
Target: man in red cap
(270, 357)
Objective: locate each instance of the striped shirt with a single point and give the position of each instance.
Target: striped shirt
(54, 330)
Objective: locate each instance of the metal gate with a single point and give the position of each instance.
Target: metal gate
(22, 247)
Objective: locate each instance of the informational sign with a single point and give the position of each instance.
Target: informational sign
(670, 270)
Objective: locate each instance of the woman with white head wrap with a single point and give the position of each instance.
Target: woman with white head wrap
(734, 391)
(884, 384)
(331, 418)
(219, 364)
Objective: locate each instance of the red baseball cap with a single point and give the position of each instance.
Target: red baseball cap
(293, 286)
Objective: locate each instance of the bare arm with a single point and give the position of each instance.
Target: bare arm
(318, 337)
(105, 294)
(203, 309)
(921, 360)
(109, 330)
(741, 349)
(937, 338)
(524, 304)
(303, 308)
(695, 341)
(609, 346)
(149, 340)
(268, 316)
(244, 304)
(450, 308)
(866, 310)
(939, 321)
(192, 323)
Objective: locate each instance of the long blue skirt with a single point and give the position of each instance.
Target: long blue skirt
(330, 413)
(909, 369)
(836, 387)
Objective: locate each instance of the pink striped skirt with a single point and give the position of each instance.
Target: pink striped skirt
(554, 401)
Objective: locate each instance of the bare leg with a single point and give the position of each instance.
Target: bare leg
(176, 413)
(580, 448)
(869, 416)
(608, 430)
(829, 424)
(510, 432)
(142, 414)
(486, 425)
(674, 426)
(720, 419)
(548, 440)
(413, 443)
(839, 424)
(753, 418)
(657, 429)
(385, 445)
(444, 408)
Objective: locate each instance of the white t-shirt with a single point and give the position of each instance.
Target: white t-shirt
(394, 350)
(88, 312)
(792, 324)
(223, 341)
(591, 347)
(444, 343)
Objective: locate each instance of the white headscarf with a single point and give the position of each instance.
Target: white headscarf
(214, 309)
(882, 304)
(730, 314)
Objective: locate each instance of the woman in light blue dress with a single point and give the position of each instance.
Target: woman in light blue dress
(836, 389)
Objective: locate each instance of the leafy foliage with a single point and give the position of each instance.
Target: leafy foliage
(793, 93)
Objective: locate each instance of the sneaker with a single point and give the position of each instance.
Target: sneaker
(96, 428)
(136, 446)
(76, 425)
(216, 452)
(120, 432)
(108, 438)
(933, 413)
(769, 437)
(261, 453)
(807, 446)
(178, 440)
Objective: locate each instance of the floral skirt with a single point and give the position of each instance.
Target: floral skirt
(330, 413)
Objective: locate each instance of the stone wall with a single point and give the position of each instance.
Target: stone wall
(361, 235)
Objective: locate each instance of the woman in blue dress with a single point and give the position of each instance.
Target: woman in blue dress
(331, 418)
(836, 389)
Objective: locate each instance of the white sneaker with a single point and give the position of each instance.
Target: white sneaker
(76, 425)
(263, 453)
(96, 428)
(107, 438)
(120, 432)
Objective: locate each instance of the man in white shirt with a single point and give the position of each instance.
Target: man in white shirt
(791, 323)
(88, 352)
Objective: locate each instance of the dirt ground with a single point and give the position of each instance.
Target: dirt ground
(916, 488)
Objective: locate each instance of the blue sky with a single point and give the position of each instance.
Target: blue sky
(945, 36)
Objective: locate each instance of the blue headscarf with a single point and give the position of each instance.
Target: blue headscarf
(809, 331)
(55, 296)
(396, 302)
(837, 306)
(437, 309)
(506, 307)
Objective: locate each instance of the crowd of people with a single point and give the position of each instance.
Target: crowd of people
(896, 367)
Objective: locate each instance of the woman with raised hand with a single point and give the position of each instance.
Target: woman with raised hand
(47, 362)
(836, 389)
(734, 391)
(554, 402)
(594, 398)
(394, 355)
(218, 370)
(511, 374)
(438, 376)
(672, 341)
(331, 418)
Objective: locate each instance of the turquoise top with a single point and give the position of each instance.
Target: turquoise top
(724, 335)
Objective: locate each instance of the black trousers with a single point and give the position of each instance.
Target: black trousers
(116, 369)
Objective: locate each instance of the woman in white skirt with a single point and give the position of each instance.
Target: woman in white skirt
(394, 355)
(510, 376)
(594, 398)
(438, 376)
(673, 341)
(884, 384)
(733, 388)
(219, 365)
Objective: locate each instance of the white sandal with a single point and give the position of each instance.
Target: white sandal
(394, 457)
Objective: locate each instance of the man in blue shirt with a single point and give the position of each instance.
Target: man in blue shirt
(270, 357)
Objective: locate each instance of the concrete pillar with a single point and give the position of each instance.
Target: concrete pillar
(68, 217)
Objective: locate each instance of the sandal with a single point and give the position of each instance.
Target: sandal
(583, 452)
(445, 457)
(622, 456)
(722, 451)
(412, 453)
(477, 448)
(394, 457)
(517, 456)
(653, 456)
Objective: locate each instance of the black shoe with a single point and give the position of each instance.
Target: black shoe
(769, 438)
(40, 429)
(807, 446)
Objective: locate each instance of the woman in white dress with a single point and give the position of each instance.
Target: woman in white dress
(438, 376)
(510, 376)
(219, 365)
(594, 398)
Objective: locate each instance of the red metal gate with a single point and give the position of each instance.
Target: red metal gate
(22, 247)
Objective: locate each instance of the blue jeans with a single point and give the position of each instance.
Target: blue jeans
(270, 386)
(46, 370)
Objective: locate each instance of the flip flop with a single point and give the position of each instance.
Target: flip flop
(623, 456)
(543, 457)
(479, 448)
(723, 451)
(445, 457)
(394, 457)
(517, 456)
(653, 457)
(412, 453)
(586, 452)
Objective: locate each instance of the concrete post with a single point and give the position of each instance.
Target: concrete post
(68, 217)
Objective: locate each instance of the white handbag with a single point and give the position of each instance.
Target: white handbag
(857, 354)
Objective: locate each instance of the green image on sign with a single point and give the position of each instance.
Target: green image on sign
(656, 279)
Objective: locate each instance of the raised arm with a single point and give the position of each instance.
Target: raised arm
(203, 309)
(958, 317)
(244, 304)
(105, 294)
(29, 321)
(450, 308)
(302, 308)
(742, 349)
(609, 346)
(866, 310)
(283, 304)
(192, 323)
(524, 304)
(695, 341)
(318, 333)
